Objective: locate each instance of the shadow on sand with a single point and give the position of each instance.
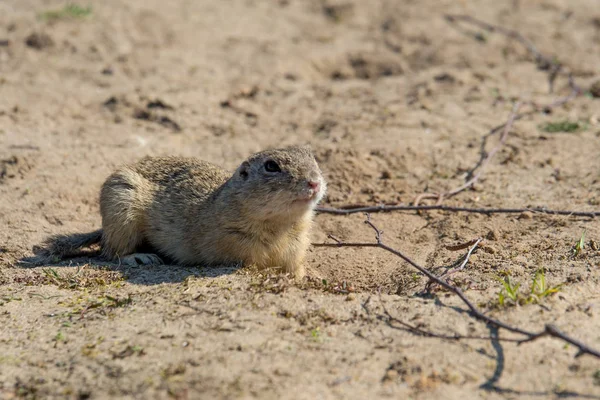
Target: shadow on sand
(139, 275)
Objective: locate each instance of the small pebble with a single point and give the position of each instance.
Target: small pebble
(39, 41)
(391, 374)
(489, 249)
(526, 215)
(491, 235)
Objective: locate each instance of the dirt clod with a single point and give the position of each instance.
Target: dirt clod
(595, 89)
(396, 101)
(39, 41)
(13, 167)
(526, 215)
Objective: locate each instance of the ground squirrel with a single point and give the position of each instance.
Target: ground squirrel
(195, 213)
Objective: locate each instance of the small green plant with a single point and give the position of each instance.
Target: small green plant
(562, 126)
(52, 275)
(315, 334)
(540, 289)
(115, 302)
(7, 299)
(82, 277)
(596, 377)
(102, 304)
(509, 293)
(68, 11)
(579, 246)
(480, 37)
(60, 337)
(67, 281)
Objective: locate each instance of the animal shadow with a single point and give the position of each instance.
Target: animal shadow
(149, 275)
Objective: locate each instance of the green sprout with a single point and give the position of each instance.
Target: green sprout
(580, 245)
(68, 11)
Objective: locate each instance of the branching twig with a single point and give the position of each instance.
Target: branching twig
(485, 157)
(549, 330)
(507, 126)
(465, 260)
(553, 66)
(539, 57)
(467, 256)
(544, 62)
(359, 208)
(552, 330)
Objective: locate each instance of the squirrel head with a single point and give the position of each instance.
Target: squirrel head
(279, 183)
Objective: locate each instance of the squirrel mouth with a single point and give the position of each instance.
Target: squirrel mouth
(307, 198)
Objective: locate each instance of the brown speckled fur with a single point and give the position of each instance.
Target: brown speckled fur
(197, 214)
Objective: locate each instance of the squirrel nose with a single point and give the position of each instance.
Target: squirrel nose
(314, 185)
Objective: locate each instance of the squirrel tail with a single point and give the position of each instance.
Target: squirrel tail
(69, 245)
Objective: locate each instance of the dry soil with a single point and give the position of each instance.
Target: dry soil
(395, 100)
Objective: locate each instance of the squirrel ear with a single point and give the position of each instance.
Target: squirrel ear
(243, 170)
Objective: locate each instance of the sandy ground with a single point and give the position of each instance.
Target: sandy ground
(394, 100)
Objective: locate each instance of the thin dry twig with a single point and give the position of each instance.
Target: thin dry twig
(539, 57)
(553, 331)
(545, 108)
(529, 336)
(465, 260)
(485, 157)
(462, 246)
(491, 154)
(484, 160)
(360, 208)
(467, 256)
(545, 63)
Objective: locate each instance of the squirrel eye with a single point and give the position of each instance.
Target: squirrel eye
(271, 166)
